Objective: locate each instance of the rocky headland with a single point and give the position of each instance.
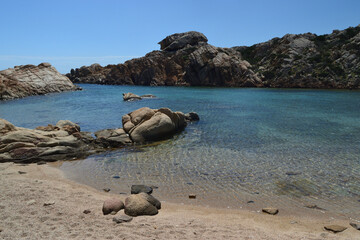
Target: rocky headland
(293, 61)
(65, 140)
(28, 80)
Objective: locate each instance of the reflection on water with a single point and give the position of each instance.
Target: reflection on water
(281, 146)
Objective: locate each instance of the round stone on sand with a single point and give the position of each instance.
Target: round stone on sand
(271, 211)
(335, 228)
(112, 206)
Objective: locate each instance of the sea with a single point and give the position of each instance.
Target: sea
(252, 148)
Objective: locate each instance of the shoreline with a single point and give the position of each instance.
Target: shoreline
(25, 216)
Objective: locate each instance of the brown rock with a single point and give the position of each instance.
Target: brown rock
(112, 206)
(27, 80)
(141, 204)
(146, 124)
(335, 228)
(86, 211)
(271, 211)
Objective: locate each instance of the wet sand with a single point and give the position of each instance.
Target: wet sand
(24, 216)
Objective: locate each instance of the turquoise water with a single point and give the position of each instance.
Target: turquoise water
(276, 145)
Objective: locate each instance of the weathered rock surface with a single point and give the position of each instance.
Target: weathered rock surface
(112, 206)
(27, 80)
(271, 211)
(141, 204)
(145, 124)
(28, 145)
(335, 228)
(308, 60)
(293, 61)
(113, 138)
(134, 97)
(185, 59)
(66, 141)
(130, 97)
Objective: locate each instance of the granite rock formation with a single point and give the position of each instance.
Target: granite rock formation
(65, 140)
(293, 61)
(145, 124)
(308, 60)
(185, 59)
(27, 80)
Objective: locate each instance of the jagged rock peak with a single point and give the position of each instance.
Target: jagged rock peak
(180, 40)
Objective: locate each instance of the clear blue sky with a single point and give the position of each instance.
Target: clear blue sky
(69, 34)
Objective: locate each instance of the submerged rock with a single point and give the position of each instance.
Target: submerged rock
(135, 189)
(27, 80)
(130, 97)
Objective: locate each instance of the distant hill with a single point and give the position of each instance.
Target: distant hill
(293, 61)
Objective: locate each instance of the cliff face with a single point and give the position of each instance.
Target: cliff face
(308, 60)
(28, 80)
(186, 59)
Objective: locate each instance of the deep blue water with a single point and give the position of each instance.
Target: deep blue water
(250, 143)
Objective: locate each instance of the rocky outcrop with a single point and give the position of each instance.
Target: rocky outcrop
(134, 97)
(66, 141)
(27, 80)
(308, 60)
(293, 61)
(145, 124)
(185, 59)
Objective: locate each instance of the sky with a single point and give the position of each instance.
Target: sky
(72, 33)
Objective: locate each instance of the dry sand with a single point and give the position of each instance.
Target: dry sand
(24, 216)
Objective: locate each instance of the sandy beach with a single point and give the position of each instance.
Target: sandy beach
(24, 215)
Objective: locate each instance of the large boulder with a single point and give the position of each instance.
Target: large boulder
(141, 204)
(42, 144)
(145, 124)
(113, 137)
(27, 80)
(180, 40)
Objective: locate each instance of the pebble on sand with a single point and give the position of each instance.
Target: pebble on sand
(31, 202)
(86, 211)
(271, 211)
(21, 172)
(49, 203)
(122, 218)
(335, 228)
(106, 189)
(192, 196)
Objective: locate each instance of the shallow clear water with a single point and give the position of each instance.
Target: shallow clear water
(274, 145)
